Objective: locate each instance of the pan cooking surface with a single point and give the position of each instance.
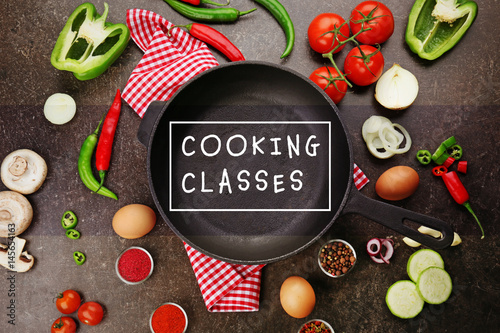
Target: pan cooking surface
(249, 163)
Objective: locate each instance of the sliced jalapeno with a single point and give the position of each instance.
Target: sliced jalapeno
(451, 141)
(79, 257)
(424, 156)
(69, 220)
(440, 155)
(455, 151)
(72, 233)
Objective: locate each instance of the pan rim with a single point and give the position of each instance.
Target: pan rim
(276, 257)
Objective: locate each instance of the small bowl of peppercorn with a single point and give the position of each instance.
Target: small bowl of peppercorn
(336, 258)
(316, 325)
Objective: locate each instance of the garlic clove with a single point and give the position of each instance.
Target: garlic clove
(397, 88)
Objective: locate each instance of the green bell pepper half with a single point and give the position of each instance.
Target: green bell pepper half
(88, 44)
(435, 26)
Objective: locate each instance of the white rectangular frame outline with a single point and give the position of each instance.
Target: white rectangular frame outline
(251, 209)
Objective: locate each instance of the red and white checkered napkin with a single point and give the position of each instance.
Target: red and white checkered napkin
(226, 287)
(169, 62)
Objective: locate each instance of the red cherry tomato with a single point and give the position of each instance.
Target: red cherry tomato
(364, 71)
(326, 78)
(321, 32)
(68, 301)
(63, 325)
(375, 16)
(90, 313)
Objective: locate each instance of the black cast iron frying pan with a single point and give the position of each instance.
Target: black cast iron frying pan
(248, 101)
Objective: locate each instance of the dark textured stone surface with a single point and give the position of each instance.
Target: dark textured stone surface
(459, 95)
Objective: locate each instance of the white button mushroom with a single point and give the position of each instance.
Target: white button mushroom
(16, 213)
(21, 261)
(23, 171)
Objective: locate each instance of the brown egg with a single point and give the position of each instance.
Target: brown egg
(297, 297)
(397, 183)
(134, 221)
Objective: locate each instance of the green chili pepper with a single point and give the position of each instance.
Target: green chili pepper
(79, 257)
(85, 166)
(455, 151)
(73, 234)
(424, 156)
(88, 45)
(69, 220)
(203, 14)
(441, 154)
(281, 15)
(434, 27)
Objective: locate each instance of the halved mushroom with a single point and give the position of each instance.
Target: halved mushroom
(16, 213)
(20, 261)
(23, 171)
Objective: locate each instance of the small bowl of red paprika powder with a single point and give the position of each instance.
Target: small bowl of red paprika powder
(134, 265)
(168, 318)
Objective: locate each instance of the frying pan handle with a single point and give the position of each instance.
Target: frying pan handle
(392, 217)
(148, 121)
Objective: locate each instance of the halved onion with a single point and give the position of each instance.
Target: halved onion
(397, 88)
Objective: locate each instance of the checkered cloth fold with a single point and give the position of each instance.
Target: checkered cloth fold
(168, 63)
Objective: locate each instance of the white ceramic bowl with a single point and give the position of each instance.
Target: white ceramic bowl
(118, 260)
(337, 241)
(328, 326)
(174, 304)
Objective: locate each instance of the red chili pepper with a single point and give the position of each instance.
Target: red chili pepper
(439, 170)
(214, 38)
(459, 193)
(104, 147)
(449, 161)
(197, 2)
(462, 167)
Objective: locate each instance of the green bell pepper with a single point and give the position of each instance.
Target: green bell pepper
(435, 26)
(88, 44)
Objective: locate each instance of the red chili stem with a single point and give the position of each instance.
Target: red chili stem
(105, 145)
(216, 39)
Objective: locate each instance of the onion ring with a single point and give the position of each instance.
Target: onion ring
(387, 144)
(377, 255)
(371, 242)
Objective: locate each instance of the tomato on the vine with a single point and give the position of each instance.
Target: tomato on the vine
(376, 17)
(328, 79)
(90, 313)
(63, 325)
(364, 69)
(322, 31)
(68, 301)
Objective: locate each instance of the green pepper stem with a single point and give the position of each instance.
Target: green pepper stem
(247, 11)
(469, 208)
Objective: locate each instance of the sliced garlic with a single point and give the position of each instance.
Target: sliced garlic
(456, 239)
(411, 242)
(431, 232)
(397, 88)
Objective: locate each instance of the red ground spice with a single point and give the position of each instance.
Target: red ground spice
(134, 265)
(168, 318)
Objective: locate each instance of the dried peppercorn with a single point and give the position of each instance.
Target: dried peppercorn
(315, 326)
(337, 258)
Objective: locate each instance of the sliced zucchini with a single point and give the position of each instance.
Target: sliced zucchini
(434, 285)
(421, 260)
(403, 299)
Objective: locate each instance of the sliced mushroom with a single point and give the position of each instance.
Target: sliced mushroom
(23, 171)
(16, 213)
(14, 258)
